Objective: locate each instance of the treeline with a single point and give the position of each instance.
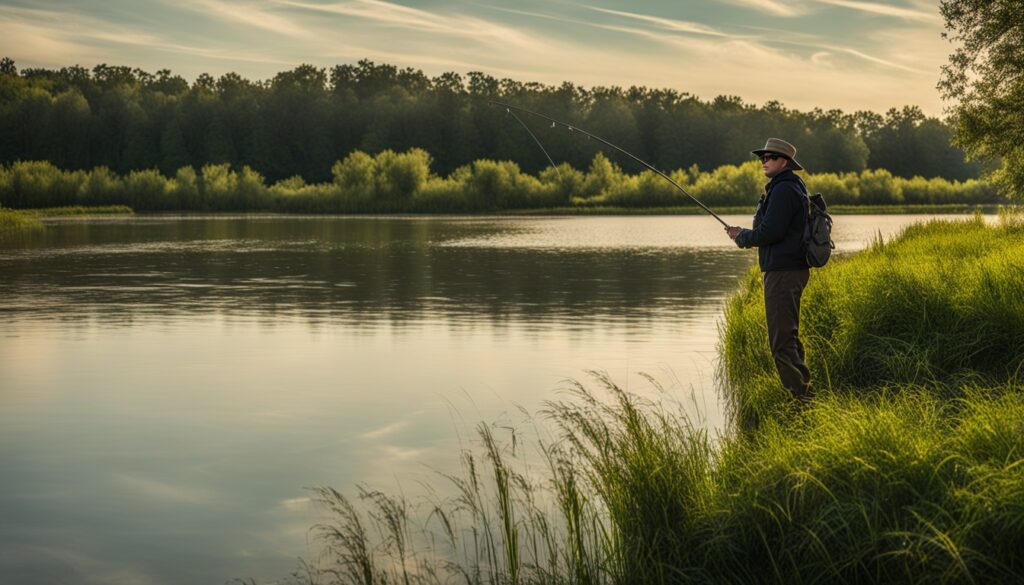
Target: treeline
(300, 121)
(404, 182)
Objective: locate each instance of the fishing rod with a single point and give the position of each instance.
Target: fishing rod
(535, 139)
(554, 122)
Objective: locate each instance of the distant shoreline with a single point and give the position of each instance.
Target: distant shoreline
(107, 211)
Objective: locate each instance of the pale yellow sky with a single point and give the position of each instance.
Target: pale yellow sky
(847, 54)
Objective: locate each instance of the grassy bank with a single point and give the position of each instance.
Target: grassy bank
(77, 211)
(19, 221)
(939, 306)
(13, 222)
(907, 468)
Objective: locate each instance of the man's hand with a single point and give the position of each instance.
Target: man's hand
(733, 231)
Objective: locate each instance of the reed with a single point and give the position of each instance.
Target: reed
(16, 222)
(938, 306)
(907, 468)
(902, 487)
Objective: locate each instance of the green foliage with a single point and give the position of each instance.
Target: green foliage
(184, 190)
(16, 222)
(101, 187)
(399, 177)
(939, 305)
(355, 175)
(985, 76)
(39, 184)
(25, 221)
(302, 119)
(146, 190)
(405, 182)
(897, 487)
(731, 185)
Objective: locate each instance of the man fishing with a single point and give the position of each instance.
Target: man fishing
(777, 234)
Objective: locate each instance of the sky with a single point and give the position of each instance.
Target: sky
(845, 54)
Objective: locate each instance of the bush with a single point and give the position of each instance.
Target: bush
(558, 186)
(102, 187)
(185, 192)
(730, 185)
(492, 185)
(147, 190)
(602, 177)
(399, 177)
(40, 184)
(354, 175)
(393, 181)
(879, 186)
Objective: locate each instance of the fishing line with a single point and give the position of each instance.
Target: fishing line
(535, 139)
(554, 122)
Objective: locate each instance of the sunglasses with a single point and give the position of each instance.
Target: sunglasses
(767, 157)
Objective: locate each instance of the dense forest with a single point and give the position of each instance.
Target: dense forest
(301, 121)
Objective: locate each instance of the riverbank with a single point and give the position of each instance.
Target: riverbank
(14, 221)
(908, 467)
(948, 208)
(29, 218)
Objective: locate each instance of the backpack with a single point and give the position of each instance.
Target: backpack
(818, 244)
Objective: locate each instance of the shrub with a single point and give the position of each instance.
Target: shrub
(730, 185)
(147, 190)
(185, 192)
(399, 177)
(102, 187)
(40, 184)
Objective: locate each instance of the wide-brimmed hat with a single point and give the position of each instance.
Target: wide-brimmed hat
(779, 146)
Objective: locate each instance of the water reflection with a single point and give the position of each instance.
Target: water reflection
(169, 385)
(352, 270)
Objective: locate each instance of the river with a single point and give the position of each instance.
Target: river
(170, 386)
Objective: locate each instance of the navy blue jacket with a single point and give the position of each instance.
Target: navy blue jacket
(778, 231)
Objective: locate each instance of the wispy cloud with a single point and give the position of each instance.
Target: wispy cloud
(385, 430)
(157, 490)
(817, 58)
(666, 23)
(413, 19)
(404, 453)
(61, 40)
(299, 503)
(883, 62)
(254, 14)
(885, 10)
(786, 9)
(660, 36)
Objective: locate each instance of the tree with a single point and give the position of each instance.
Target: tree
(985, 76)
(174, 153)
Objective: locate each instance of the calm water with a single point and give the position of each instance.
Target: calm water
(169, 386)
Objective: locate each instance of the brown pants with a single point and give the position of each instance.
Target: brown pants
(782, 290)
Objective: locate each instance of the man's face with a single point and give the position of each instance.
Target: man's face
(773, 164)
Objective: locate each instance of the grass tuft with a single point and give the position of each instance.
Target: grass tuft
(908, 467)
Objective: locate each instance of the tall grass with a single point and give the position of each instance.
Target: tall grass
(404, 182)
(908, 467)
(25, 221)
(939, 306)
(902, 487)
(15, 222)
